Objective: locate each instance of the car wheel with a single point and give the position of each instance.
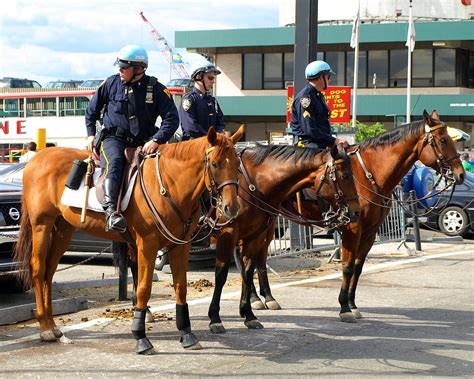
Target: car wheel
(453, 221)
(161, 261)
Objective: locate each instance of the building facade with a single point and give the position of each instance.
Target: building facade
(257, 64)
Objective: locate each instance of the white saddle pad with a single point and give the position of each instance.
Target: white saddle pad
(75, 198)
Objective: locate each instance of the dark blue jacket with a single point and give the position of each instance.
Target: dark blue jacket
(113, 96)
(198, 112)
(310, 117)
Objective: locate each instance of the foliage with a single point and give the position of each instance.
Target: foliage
(365, 132)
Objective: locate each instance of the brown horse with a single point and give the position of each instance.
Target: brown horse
(379, 164)
(186, 170)
(269, 175)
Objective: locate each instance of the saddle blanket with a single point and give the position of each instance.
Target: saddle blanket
(75, 198)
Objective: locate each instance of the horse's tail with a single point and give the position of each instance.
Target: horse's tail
(23, 248)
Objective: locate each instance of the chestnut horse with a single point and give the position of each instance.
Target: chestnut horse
(181, 172)
(379, 164)
(269, 175)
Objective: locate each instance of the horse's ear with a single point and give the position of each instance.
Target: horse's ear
(238, 134)
(335, 151)
(435, 115)
(426, 117)
(212, 136)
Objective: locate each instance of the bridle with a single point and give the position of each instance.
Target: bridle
(213, 187)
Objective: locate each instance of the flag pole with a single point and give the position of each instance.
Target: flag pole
(410, 43)
(355, 41)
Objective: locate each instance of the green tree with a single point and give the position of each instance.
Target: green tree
(368, 131)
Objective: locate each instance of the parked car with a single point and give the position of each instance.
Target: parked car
(8, 82)
(187, 83)
(63, 84)
(91, 83)
(455, 216)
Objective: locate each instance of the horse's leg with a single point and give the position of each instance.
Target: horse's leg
(146, 265)
(60, 238)
(265, 291)
(179, 266)
(41, 236)
(133, 264)
(350, 244)
(224, 247)
(366, 244)
(248, 269)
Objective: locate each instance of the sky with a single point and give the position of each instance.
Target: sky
(48, 40)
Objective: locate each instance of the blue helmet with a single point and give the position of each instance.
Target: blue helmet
(317, 68)
(132, 55)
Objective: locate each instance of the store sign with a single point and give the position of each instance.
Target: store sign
(339, 102)
(289, 101)
(11, 127)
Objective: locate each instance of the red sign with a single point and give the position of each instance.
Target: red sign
(339, 102)
(338, 99)
(289, 100)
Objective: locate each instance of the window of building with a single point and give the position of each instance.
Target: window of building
(288, 66)
(398, 68)
(445, 67)
(378, 68)
(422, 68)
(272, 71)
(336, 59)
(362, 78)
(267, 71)
(253, 67)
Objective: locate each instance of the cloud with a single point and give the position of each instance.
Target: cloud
(55, 39)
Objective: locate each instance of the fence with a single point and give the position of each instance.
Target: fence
(291, 238)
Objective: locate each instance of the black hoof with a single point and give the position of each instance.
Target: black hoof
(145, 347)
(190, 341)
(217, 328)
(253, 324)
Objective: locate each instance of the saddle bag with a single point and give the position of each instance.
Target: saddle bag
(78, 170)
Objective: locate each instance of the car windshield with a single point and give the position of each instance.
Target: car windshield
(91, 83)
(12, 173)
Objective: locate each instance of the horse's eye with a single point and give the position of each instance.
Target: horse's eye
(215, 164)
(443, 140)
(345, 176)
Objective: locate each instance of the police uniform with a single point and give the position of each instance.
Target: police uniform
(310, 119)
(129, 116)
(198, 112)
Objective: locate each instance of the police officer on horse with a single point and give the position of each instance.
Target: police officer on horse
(130, 102)
(199, 110)
(310, 113)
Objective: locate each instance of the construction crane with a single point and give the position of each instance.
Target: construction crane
(172, 57)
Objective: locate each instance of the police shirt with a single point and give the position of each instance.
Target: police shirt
(310, 117)
(113, 94)
(198, 112)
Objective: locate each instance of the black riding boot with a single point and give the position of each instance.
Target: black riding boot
(114, 221)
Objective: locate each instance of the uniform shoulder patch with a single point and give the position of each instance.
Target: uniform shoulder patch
(167, 91)
(305, 102)
(187, 104)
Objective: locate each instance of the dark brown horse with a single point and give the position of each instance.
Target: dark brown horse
(269, 175)
(379, 164)
(186, 170)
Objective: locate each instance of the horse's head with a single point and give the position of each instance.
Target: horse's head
(222, 165)
(437, 149)
(336, 185)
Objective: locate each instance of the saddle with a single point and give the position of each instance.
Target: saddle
(133, 157)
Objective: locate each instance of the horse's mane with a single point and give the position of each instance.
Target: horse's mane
(282, 153)
(394, 136)
(184, 150)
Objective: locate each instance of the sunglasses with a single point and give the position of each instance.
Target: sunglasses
(211, 78)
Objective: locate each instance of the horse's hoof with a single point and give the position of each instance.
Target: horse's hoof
(48, 336)
(190, 342)
(149, 317)
(347, 317)
(144, 346)
(253, 324)
(273, 305)
(57, 332)
(356, 313)
(217, 328)
(258, 305)
(65, 340)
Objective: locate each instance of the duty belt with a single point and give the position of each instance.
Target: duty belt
(124, 135)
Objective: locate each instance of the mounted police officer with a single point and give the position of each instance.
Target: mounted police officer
(199, 110)
(310, 113)
(130, 102)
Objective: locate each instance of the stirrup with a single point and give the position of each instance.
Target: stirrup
(116, 223)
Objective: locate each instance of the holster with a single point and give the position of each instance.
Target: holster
(99, 137)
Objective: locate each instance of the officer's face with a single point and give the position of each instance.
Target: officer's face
(209, 79)
(126, 74)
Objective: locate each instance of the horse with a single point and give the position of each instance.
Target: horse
(269, 175)
(378, 165)
(165, 204)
